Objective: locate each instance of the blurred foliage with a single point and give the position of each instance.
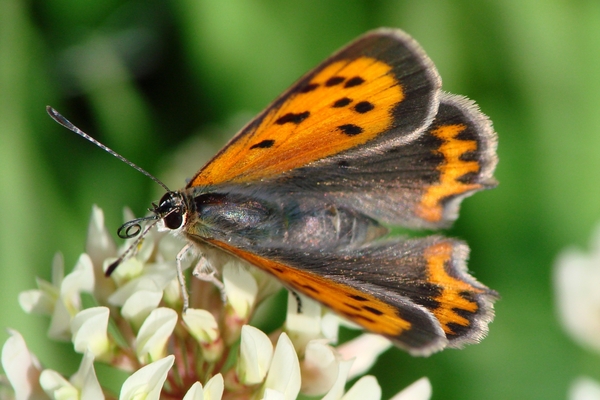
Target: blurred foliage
(145, 77)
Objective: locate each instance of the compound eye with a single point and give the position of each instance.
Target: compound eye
(167, 198)
(173, 220)
(172, 210)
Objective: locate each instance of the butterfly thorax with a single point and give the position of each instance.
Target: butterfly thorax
(250, 219)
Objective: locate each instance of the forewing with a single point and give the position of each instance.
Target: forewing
(416, 184)
(380, 85)
(415, 292)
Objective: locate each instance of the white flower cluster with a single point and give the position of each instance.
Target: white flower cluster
(137, 327)
(576, 282)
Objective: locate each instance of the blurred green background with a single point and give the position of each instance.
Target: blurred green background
(146, 77)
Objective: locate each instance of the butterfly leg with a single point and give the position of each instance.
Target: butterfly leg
(181, 278)
(206, 272)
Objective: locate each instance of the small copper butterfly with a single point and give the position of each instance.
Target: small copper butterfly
(306, 192)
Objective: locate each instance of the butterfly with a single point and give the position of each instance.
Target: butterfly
(308, 190)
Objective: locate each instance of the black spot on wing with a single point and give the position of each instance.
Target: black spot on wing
(427, 302)
(459, 330)
(293, 118)
(310, 288)
(373, 310)
(466, 134)
(470, 134)
(343, 102)
(336, 80)
(469, 177)
(309, 88)
(355, 81)
(350, 129)
(265, 144)
(363, 107)
(469, 156)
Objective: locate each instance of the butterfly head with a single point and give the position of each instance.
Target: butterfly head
(171, 210)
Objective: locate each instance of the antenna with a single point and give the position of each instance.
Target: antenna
(55, 115)
(111, 268)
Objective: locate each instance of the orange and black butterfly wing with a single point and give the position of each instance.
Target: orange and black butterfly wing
(415, 292)
(415, 184)
(380, 86)
(360, 130)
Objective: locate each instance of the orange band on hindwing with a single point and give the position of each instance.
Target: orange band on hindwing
(451, 298)
(431, 207)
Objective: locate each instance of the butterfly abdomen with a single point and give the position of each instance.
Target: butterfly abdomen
(322, 226)
(250, 220)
